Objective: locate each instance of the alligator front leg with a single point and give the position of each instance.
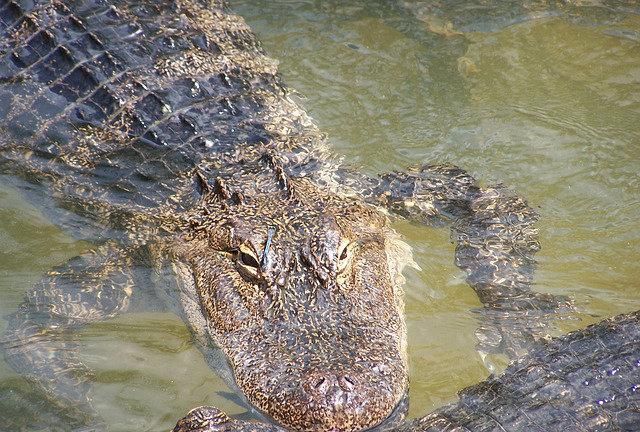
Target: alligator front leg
(210, 419)
(495, 240)
(39, 342)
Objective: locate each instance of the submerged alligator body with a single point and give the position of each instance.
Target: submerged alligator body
(164, 129)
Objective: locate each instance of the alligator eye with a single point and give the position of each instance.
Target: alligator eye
(249, 260)
(343, 256)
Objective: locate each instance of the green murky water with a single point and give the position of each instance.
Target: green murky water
(546, 102)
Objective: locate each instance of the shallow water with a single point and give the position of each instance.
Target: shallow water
(545, 101)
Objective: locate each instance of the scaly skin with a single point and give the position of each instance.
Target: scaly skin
(584, 381)
(165, 131)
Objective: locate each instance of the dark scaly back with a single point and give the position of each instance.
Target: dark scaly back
(115, 103)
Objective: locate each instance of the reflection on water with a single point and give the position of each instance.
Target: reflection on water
(545, 100)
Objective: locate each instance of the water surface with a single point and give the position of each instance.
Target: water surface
(545, 101)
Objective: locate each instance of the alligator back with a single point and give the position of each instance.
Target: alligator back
(587, 380)
(114, 104)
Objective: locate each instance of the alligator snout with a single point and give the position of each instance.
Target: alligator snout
(341, 400)
(324, 383)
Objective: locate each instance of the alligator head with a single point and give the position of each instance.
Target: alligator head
(301, 289)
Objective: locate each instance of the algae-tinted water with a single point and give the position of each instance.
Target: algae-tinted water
(543, 100)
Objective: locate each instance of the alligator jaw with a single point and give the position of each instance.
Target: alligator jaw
(349, 392)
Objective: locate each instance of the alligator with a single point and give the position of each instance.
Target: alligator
(161, 132)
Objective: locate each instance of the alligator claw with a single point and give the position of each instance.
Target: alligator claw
(209, 419)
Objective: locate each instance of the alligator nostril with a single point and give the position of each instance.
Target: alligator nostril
(347, 383)
(319, 382)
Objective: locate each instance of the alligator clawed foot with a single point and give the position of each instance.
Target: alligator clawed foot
(204, 418)
(431, 194)
(210, 419)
